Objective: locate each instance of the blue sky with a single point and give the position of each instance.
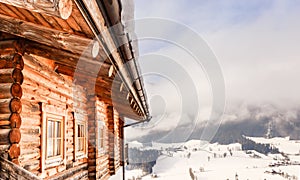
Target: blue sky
(204, 15)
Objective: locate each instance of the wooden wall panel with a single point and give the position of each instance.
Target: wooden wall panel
(11, 79)
(102, 161)
(42, 84)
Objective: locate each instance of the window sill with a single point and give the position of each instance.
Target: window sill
(80, 155)
(52, 162)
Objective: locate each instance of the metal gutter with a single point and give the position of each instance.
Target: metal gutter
(121, 39)
(142, 104)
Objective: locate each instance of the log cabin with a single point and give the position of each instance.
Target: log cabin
(67, 82)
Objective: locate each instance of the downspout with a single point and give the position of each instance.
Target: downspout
(123, 148)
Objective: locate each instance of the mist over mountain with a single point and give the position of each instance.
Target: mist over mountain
(256, 121)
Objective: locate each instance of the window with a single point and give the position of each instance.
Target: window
(53, 136)
(80, 136)
(101, 135)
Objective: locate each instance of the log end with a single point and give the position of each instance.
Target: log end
(95, 49)
(15, 105)
(17, 76)
(15, 135)
(16, 90)
(65, 8)
(16, 161)
(14, 151)
(18, 61)
(15, 120)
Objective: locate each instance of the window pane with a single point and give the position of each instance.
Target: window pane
(58, 146)
(54, 140)
(50, 129)
(78, 130)
(49, 148)
(81, 144)
(58, 129)
(101, 135)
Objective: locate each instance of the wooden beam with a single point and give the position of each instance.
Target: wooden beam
(66, 59)
(51, 37)
(58, 8)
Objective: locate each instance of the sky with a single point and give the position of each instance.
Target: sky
(256, 44)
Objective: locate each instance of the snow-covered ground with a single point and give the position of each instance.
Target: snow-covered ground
(283, 144)
(215, 161)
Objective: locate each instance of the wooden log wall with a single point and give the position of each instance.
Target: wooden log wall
(11, 79)
(43, 84)
(111, 139)
(121, 140)
(92, 126)
(102, 161)
(9, 170)
(117, 148)
(58, 8)
(98, 158)
(25, 83)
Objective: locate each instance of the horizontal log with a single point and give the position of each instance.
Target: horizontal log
(31, 108)
(44, 35)
(42, 79)
(46, 70)
(7, 47)
(4, 123)
(29, 151)
(5, 90)
(6, 61)
(4, 147)
(29, 144)
(4, 133)
(4, 106)
(62, 57)
(58, 8)
(6, 75)
(32, 165)
(27, 158)
(29, 119)
(44, 94)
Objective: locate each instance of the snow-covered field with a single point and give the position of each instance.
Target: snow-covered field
(283, 144)
(217, 162)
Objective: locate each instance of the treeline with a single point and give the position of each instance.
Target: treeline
(248, 144)
(142, 159)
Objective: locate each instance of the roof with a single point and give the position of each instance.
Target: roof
(88, 40)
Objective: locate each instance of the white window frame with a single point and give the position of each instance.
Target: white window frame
(80, 154)
(51, 112)
(101, 128)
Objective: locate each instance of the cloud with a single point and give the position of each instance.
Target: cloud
(257, 44)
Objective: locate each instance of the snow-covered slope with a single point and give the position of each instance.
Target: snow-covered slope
(283, 144)
(215, 161)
